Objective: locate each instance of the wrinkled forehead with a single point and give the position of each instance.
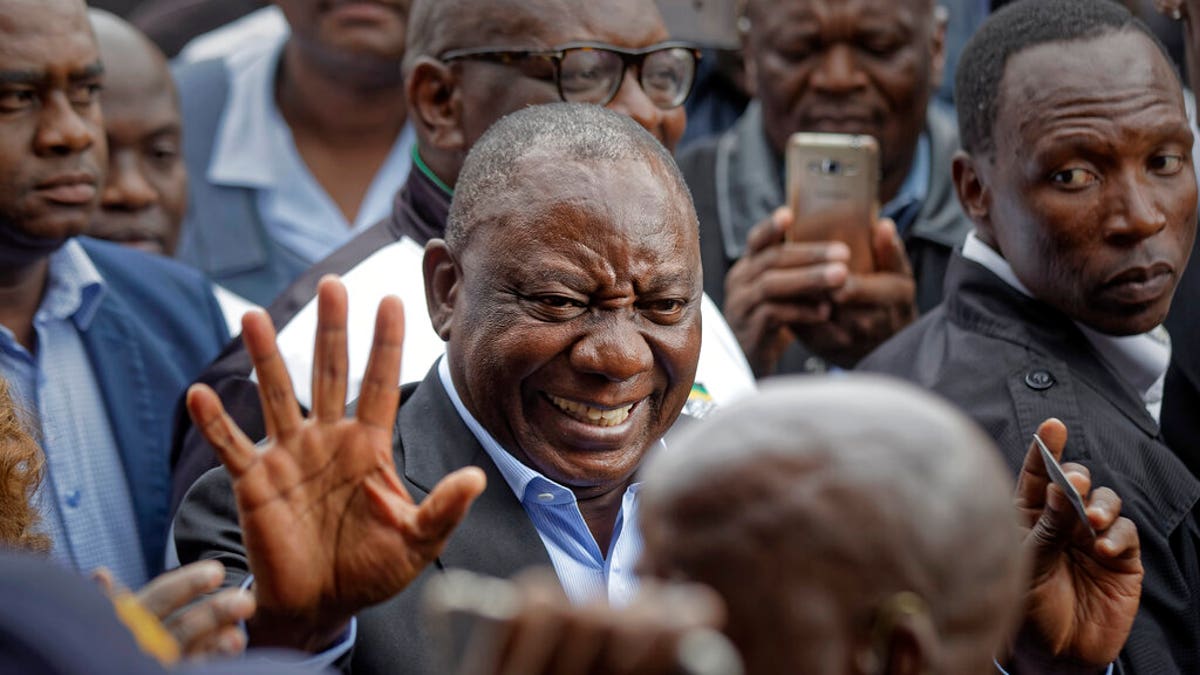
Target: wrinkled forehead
(558, 203)
(32, 30)
(548, 23)
(852, 11)
(1110, 76)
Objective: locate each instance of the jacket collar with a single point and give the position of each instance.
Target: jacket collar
(497, 537)
(422, 206)
(982, 302)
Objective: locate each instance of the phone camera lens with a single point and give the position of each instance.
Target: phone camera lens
(831, 166)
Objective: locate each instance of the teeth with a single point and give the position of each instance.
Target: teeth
(586, 413)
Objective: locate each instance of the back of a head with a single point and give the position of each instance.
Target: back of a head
(1014, 28)
(826, 512)
(550, 134)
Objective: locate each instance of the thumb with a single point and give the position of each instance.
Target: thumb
(888, 248)
(447, 504)
(1054, 529)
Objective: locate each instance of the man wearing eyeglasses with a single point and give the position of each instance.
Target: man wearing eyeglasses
(468, 63)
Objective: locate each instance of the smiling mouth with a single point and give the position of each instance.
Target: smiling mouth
(601, 417)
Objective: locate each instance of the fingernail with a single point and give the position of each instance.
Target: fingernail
(241, 602)
(231, 643)
(839, 251)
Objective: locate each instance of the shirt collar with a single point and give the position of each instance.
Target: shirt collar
(74, 288)
(1141, 360)
(914, 188)
(252, 130)
(526, 483)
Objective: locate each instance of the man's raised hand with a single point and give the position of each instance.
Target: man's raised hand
(1084, 592)
(327, 525)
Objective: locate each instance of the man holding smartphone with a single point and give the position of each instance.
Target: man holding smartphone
(846, 66)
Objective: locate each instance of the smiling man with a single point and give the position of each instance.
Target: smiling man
(564, 367)
(1077, 174)
(490, 58)
(97, 341)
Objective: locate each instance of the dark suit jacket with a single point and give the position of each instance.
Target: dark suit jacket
(496, 538)
(1181, 393)
(155, 329)
(1010, 362)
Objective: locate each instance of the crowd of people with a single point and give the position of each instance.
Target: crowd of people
(391, 336)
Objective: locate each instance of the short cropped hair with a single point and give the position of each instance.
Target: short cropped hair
(1013, 29)
(552, 132)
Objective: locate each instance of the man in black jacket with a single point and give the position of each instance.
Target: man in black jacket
(1077, 175)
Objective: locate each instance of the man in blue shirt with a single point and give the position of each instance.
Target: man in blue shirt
(97, 341)
(565, 365)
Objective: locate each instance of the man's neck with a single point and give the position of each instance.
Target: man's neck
(337, 108)
(600, 510)
(21, 290)
(343, 126)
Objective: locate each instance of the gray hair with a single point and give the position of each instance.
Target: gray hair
(552, 132)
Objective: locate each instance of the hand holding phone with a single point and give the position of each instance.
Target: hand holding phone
(833, 191)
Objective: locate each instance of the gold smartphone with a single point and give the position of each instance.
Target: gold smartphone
(835, 176)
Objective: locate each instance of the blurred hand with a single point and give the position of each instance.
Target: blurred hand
(778, 285)
(869, 308)
(781, 291)
(210, 626)
(1084, 593)
(528, 627)
(328, 527)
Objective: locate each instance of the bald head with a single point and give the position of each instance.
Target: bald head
(820, 505)
(436, 26)
(549, 135)
(139, 63)
(145, 193)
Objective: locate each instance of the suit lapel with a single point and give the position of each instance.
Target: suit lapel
(497, 537)
(117, 356)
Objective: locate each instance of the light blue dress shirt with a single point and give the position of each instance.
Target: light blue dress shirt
(255, 149)
(84, 499)
(904, 207)
(584, 571)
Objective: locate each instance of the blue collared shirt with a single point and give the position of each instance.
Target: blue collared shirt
(84, 499)
(904, 207)
(584, 571)
(255, 149)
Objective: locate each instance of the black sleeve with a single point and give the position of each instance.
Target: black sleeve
(206, 526)
(191, 455)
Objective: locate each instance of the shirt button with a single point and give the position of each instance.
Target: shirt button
(1039, 380)
(73, 498)
(545, 497)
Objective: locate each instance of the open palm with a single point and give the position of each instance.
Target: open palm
(328, 527)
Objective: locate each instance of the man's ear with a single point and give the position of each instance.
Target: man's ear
(937, 47)
(974, 195)
(911, 646)
(902, 641)
(442, 284)
(434, 103)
